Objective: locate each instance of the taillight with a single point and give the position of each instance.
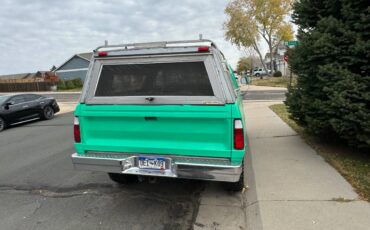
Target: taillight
(102, 53)
(238, 134)
(203, 49)
(76, 130)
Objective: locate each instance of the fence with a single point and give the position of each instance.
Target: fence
(26, 86)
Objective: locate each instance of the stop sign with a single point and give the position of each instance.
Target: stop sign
(286, 58)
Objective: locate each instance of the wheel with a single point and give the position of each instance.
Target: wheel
(236, 186)
(257, 75)
(2, 124)
(48, 113)
(123, 178)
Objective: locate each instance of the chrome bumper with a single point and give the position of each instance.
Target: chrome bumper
(177, 167)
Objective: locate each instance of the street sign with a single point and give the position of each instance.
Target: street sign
(292, 43)
(286, 58)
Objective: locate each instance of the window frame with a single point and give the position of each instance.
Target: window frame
(206, 59)
(13, 98)
(28, 98)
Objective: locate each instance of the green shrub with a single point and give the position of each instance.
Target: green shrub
(332, 96)
(61, 85)
(277, 74)
(77, 82)
(70, 84)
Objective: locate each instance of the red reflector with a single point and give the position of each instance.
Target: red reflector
(76, 130)
(238, 135)
(203, 49)
(102, 53)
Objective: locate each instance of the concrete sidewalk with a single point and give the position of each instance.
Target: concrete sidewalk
(290, 186)
(260, 88)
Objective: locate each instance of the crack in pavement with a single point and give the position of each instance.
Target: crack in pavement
(45, 191)
(94, 189)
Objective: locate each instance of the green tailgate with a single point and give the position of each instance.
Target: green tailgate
(192, 130)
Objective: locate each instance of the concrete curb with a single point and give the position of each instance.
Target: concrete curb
(252, 210)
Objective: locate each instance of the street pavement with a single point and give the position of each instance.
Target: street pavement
(39, 189)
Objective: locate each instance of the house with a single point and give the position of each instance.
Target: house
(39, 76)
(75, 67)
(14, 77)
(278, 63)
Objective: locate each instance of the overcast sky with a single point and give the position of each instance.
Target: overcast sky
(37, 34)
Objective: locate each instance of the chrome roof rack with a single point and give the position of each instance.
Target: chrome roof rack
(160, 44)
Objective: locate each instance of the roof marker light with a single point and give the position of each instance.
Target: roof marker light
(203, 48)
(102, 53)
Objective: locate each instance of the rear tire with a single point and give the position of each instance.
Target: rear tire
(236, 186)
(48, 113)
(123, 178)
(2, 124)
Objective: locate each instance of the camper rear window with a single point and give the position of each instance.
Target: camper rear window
(160, 79)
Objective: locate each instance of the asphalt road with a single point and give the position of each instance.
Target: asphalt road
(39, 189)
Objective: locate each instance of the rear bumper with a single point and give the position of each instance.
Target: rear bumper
(179, 167)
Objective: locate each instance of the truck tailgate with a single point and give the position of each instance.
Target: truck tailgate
(193, 130)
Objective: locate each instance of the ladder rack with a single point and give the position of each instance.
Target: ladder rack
(160, 44)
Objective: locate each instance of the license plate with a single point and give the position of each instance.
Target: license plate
(152, 163)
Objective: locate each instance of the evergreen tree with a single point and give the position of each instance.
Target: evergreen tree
(332, 96)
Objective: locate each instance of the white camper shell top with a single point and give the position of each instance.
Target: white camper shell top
(183, 72)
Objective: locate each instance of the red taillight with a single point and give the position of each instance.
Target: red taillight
(76, 130)
(203, 49)
(238, 134)
(102, 53)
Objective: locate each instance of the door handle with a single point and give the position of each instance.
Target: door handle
(150, 118)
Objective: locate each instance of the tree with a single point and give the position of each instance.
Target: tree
(332, 97)
(253, 20)
(244, 64)
(53, 68)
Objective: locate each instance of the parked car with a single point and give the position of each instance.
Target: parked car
(16, 109)
(164, 109)
(260, 72)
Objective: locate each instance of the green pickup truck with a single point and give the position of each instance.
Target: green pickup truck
(161, 109)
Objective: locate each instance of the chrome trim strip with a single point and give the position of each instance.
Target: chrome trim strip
(25, 121)
(216, 171)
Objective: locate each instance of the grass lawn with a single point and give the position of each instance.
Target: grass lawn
(271, 81)
(353, 164)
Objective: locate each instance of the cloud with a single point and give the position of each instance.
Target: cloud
(37, 34)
